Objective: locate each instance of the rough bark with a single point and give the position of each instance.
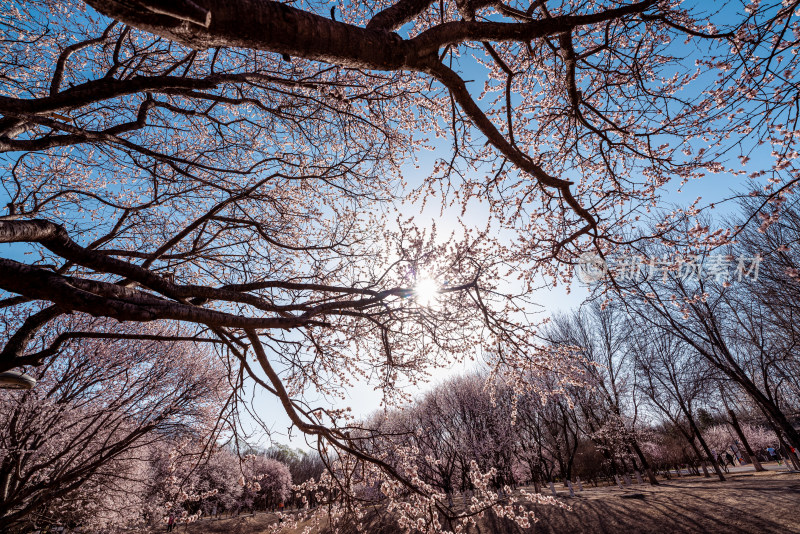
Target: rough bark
(277, 27)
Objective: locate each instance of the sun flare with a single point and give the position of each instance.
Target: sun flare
(426, 291)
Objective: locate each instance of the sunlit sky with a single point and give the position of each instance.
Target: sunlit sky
(552, 299)
(362, 397)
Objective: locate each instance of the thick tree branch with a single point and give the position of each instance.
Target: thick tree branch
(276, 27)
(459, 90)
(111, 300)
(58, 74)
(398, 14)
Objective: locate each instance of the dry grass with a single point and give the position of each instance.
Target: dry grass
(759, 503)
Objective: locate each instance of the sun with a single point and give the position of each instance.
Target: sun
(426, 291)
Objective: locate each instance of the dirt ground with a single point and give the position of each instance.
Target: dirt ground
(759, 503)
(745, 503)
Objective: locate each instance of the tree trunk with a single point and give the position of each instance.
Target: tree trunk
(777, 427)
(784, 447)
(645, 466)
(693, 445)
(770, 409)
(703, 444)
(748, 452)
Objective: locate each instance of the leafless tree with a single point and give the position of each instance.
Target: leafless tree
(603, 339)
(723, 323)
(675, 381)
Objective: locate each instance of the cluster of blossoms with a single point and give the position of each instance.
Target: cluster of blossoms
(425, 509)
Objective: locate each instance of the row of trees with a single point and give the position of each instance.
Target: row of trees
(725, 332)
(527, 440)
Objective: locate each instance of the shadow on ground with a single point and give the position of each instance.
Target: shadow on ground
(743, 504)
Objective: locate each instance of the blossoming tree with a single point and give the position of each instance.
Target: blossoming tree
(76, 445)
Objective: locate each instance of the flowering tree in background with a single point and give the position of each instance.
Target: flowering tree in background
(268, 482)
(219, 474)
(190, 479)
(74, 448)
(234, 168)
(759, 437)
(719, 438)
